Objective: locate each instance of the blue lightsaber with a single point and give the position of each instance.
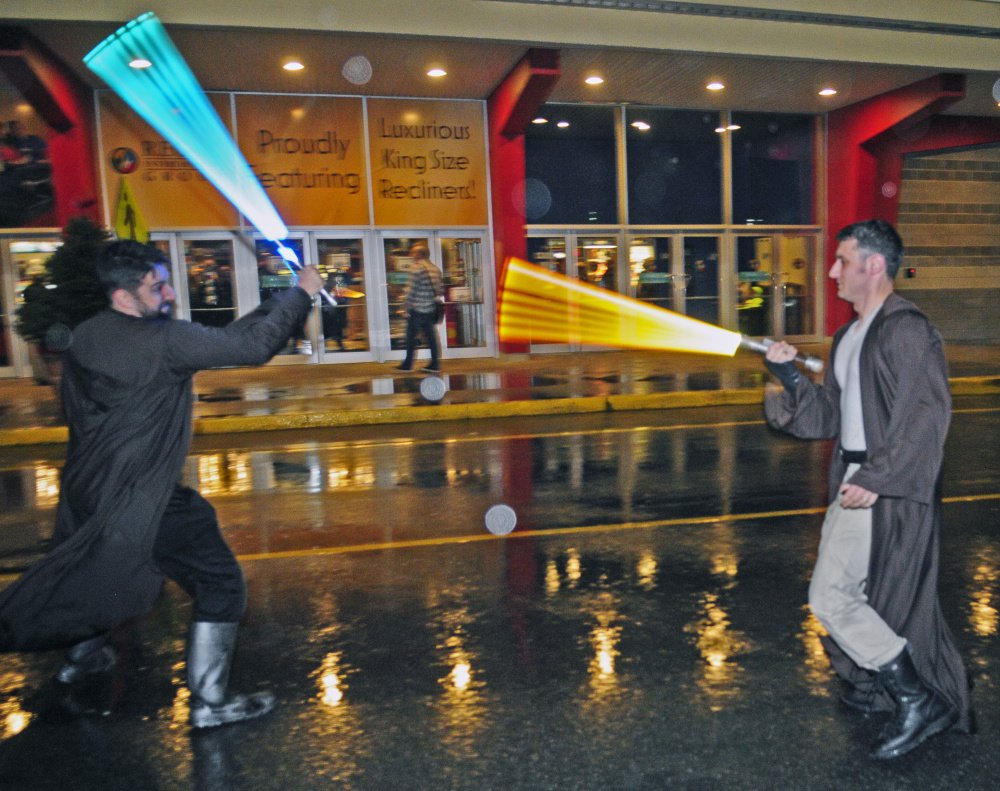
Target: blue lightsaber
(142, 65)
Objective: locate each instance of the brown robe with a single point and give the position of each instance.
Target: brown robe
(907, 409)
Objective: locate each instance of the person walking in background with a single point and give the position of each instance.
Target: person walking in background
(885, 396)
(123, 519)
(423, 294)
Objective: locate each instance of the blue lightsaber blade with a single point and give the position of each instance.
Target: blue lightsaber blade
(142, 65)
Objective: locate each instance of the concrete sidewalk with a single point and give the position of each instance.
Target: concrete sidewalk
(284, 395)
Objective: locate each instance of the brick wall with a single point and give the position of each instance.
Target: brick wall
(949, 218)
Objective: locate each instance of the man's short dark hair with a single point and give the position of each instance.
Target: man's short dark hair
(877, 236)
(124, 263)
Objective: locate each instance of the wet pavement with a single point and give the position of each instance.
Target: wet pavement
(643, 627)
(289, 396)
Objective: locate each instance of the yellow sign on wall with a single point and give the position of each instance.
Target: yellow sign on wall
(308, 153)
(428, 162)
(129, 221)
(426, 167)
(172, 193)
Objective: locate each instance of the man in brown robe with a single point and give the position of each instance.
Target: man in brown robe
(123, 520)
(885, 397)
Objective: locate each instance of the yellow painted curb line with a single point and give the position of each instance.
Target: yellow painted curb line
(241, 424)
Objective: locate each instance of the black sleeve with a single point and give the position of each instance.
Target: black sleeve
(786, 372)
(251, 340)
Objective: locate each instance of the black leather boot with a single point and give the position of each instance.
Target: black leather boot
(87, 658)
(920, 711)
(209, 657)
(860, 699)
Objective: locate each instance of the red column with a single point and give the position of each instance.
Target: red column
(510, 109)
(855, 144)
(64, 103)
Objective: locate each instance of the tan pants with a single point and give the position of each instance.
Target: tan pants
(837, 591)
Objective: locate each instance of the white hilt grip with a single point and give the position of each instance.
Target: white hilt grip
(814, 364)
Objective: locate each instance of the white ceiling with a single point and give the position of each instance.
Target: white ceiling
(242, 59)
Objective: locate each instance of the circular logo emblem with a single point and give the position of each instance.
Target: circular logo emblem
(124, 160)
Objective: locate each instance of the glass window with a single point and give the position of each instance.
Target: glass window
(570, 166)
(210, 281)
(462, 262)
(344, 325)
(772, 168)
(548, 252)
(674, 170)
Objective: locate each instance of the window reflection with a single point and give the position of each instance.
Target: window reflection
(817, 670)
(604, 638)
(397, 277)
(585, 191)
(344, 325)
(273, 277)
(463, 285)
(13, 717)
(983, 616)
(772, 168)
(674, 167)
(210, 281)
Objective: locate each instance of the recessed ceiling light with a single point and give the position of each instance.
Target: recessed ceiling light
(540, 120)
(562, 124)
(715, 86)
(828, 92)
(594, 79)
(732, 127)
(436, 72)
(642, 126)
(140, 63)
(293, 65)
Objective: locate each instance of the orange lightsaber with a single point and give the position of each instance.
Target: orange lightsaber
(537, 305)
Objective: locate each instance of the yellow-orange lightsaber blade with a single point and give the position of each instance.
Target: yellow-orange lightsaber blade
(540, 306)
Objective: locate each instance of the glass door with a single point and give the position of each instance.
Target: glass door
(344, 326)
(553, 253)
(398, 263)
(775, 281)
(701, 278)
(273, 277)
(466, 290)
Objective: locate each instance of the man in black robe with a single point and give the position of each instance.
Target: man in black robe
(885, 397)
(123, 520)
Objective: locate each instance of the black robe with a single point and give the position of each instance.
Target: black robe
(907, 409)
(127, 394)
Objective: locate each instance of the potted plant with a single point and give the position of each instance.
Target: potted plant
(64, 295)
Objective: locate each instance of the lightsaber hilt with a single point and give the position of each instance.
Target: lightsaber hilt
(814, 364)
(292, 262)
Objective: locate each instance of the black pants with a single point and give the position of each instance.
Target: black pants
(422, 323)
(191, 551)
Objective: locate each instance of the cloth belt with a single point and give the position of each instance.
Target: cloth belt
(853, 456)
